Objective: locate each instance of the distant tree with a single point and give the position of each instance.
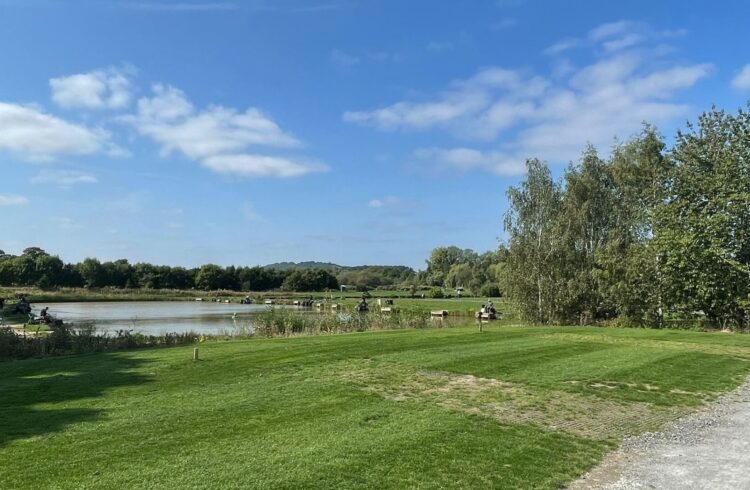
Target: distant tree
(442, 259)
(92, 272)
(459, 275)
(33, 252)
(210, 277)
(310, 280)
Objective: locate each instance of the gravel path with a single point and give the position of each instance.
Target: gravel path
(709, 449)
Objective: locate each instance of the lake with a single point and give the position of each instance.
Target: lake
(157, 317)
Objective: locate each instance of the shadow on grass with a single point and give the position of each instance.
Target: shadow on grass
(26, 386)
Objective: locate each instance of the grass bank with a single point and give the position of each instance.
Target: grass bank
(437, 408)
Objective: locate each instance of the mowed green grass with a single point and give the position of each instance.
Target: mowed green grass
(438, 408)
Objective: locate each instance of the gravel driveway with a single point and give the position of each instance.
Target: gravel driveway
(709, 449)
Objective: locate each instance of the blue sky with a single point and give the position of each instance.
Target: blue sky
(249, 132)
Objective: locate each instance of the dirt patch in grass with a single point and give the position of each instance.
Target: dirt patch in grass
(579, 414)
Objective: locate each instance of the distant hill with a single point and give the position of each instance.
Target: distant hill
(285, 266)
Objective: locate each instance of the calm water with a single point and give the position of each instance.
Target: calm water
(157, 317)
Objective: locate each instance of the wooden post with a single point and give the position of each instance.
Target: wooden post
(195, 354)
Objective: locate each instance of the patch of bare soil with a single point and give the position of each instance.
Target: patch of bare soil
(554, 410)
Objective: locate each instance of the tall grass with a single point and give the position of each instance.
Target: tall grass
(282, 322)
(84, 338)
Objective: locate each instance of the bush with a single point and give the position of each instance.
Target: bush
(436, 293)
(490, 291)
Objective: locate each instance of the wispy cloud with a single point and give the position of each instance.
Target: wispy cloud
(63, 178)
(502, 24)
(615, 36)
(251, 214)
(386, 201)
(343, 59)
(6, 200)
(497, 162)
(526, 115)
(465, 107)
(742, 80)
(562, 46)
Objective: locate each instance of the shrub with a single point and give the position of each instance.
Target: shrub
(436, 293)
(490, 291)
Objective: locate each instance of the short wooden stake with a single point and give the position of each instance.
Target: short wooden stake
(195, 354)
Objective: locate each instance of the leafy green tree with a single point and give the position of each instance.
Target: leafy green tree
(532, 275)
(628, 273)
(703, 232)
(584, 227)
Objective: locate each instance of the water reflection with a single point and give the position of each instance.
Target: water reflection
(158, 317)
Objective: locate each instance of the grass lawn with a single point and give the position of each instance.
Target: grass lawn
(511, 407)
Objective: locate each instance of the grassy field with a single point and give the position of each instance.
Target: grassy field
(512, 407)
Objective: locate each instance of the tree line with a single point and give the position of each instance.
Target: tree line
(648, 235)
(447, 267)
(34, 267)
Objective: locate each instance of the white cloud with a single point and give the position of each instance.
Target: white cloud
(611, 30)
(99, 89)
(32, 135)
(477, 107)
(523, 115)
(172, 121)
(611, 37)
(248, 165)
(626, 41)
(13, 200)
(217, 136)
(496, 162)
(387, 201)
(742, 80)
(562, 46)
(63, 178)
